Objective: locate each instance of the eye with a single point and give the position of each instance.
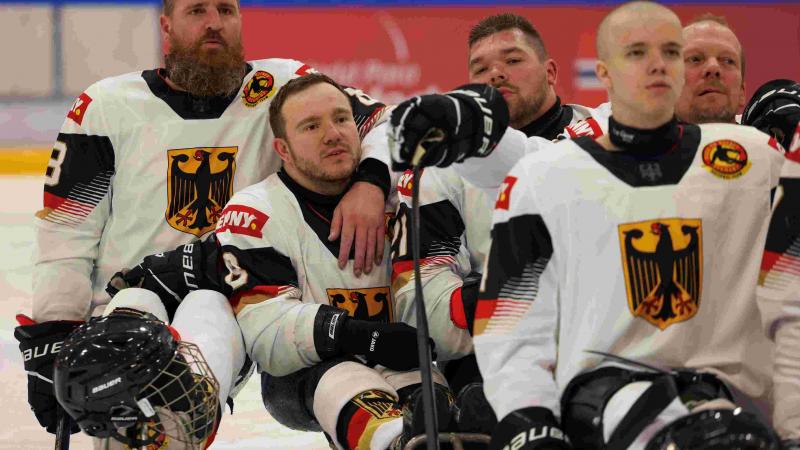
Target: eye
(310, 127)
(673, 53)
(635, 53)
(342, 119)
(729, 62)
(479, 71)
(512, 61)
(694, 59)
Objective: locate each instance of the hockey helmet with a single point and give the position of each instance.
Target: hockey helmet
(125, 377)
(716, 429)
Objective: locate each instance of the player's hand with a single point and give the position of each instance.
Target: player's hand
(392, 345)
(775, 110)
(172, 275)
(39, 344)
(359, 219)
(532, 428)
(468, 121)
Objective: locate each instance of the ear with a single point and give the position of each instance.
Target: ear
(552, 71)
(601, 70)
(165, 25)
(281, 147)
(743, 97)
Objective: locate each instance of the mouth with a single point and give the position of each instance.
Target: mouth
(213, 43)
(505, 91)
(710, 91)
(659, 86)
(335, 152)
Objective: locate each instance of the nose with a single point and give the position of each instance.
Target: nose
(712, 68)
(213, 20)
(496, 74)
(658, 64)
(332, 134)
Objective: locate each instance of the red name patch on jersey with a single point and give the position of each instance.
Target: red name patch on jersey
(504, 196)
(240, 219)
(588, 127)
(305, 69)
(78, 110)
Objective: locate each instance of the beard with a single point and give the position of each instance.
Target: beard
(315, 171)
(711, 114)
(206, 73)
(527, 107)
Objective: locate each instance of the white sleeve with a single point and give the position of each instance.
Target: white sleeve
(487, 173)
(779, 298)
(517, 315)
(444, 258)
(278, 328)
(77, 204)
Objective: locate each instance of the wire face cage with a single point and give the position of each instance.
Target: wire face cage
(180, 405)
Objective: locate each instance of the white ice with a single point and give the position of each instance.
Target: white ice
(249, 428)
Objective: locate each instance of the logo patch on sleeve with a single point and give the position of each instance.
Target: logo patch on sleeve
(504, 196)
(726, 159)
(587, 127)
(79, 108)
(240, 219)
(260, 87)
(305, 69)
(405, 183)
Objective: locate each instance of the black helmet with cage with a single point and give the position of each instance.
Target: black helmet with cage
(127, 377)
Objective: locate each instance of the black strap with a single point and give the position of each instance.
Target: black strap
(643, 412)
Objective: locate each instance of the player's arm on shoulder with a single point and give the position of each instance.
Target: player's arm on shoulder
(443, 258)
(517, 313)
(76, 205)
(779, 298)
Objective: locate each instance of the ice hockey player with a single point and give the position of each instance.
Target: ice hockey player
(775, 109)
(146, 161)
(659, 208)
(508, 53)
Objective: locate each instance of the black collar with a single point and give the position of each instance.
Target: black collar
(308, 195)
(186, 105)
(551, 123)
(645, 143)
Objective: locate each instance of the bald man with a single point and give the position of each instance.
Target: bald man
(714, 59)
(617, 303)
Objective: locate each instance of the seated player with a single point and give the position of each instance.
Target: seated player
(623, 246)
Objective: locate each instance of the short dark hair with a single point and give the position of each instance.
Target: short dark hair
(720, 20)
(297, 85)
(167, 6)
(508, 21)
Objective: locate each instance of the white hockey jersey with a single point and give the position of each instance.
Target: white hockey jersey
(281, 267)
(487, 173)
(138, 168)
(455, 221)
(779, 294)
(650, 258)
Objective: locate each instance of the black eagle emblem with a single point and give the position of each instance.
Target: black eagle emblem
(364, 304)
(200, 184)
(664, 285)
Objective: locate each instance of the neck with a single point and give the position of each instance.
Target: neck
(321, 187)
(649, 120)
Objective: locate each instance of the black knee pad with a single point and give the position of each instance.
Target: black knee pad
(290, 399)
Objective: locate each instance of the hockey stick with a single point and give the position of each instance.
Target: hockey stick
(63, 425)
(425, 358)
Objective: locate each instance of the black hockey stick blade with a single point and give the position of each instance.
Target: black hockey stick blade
(63, 425)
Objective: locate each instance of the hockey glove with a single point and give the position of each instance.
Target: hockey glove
(775, 110)
(391, 345)
(172, 275)
(533, 428)
(469, 120)
(39, 344)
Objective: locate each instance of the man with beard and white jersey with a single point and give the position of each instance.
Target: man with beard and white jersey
(146, 161)
(508, 53)
(333, 356)
(624, 246)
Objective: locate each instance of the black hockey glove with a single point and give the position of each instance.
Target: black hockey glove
(39, 344)
(391, 345)
(172, 275)
(775, 110)
(531, 428)
(469, 120)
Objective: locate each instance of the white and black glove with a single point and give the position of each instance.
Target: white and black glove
(775, 110)
(467, 121)
(39, 344)
(532, 428)
(391, 345)
(172, 275)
